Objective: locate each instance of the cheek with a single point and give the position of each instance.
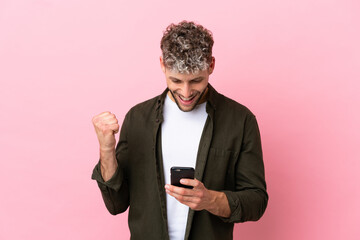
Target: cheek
(168, 83)
(171, 86)
(202, 87)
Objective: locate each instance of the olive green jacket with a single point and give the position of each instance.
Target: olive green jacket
(229, 160)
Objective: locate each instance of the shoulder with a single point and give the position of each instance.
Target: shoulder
(145, 106)
(232, 105)
(146, 109)
(226, 106)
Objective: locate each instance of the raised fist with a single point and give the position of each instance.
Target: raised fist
(106, 125)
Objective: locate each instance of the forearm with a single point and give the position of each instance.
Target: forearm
(108, 163)
(114, 191)
(110, 170)
(116, 201)
(246, 205)
(248, 199)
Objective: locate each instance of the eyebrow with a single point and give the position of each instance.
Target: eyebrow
(195, 79)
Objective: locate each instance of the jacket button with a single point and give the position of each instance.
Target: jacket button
(157, 120)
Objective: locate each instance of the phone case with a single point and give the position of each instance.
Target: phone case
(178, 173)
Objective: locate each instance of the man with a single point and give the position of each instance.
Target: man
(190, 125)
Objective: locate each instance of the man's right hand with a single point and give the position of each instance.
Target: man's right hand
(106, 125)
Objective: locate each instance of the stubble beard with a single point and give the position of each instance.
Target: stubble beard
(195, 104)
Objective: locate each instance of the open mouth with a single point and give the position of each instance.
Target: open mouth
(187, 101)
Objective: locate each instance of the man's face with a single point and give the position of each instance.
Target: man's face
(187, 89)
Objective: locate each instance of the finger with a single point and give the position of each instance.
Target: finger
(108, 117)
(100, 116)
(179, 190)
(192, 202)
(104, 113)
(191, 182)
(111, 121)
(114, 127)
(104, 122)
(184, 198)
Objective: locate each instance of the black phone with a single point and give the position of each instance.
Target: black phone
(178, 173)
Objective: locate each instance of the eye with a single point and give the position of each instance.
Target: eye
(197, 80)
(176, 81)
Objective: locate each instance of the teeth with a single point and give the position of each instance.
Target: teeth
(186, 99)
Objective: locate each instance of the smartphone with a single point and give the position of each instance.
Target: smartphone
(177, 173)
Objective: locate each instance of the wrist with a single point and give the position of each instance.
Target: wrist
(219, 204)
(107, 165)
(214, 202)
(104, 149)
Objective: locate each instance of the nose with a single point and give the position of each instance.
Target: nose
(186, 90)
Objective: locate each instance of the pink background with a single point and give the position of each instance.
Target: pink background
(295, 64)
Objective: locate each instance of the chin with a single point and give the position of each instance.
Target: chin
(187, 108)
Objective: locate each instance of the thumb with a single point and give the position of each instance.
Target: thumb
(115, 128)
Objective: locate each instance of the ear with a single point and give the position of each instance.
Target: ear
(162, 65)
(212, 65)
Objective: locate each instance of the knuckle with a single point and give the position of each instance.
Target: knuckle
(194, 206)
(97, 125)
(106, 128)
(201, 194)
(95, 119)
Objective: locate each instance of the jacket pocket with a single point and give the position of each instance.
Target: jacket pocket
(220, 169)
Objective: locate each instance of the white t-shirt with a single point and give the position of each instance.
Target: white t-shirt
(180, 138)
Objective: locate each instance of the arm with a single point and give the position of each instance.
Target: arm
(249, 199)
(109, 172)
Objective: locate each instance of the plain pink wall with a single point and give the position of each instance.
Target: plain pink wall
(295, 64)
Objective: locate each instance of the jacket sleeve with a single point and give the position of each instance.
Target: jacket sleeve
(115, 191)
(249, 200)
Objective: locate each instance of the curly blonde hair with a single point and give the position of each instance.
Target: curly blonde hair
(187, 47)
